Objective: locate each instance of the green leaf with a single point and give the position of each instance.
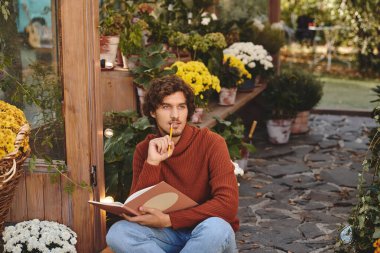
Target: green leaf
(376, 234)
(54, 178)
(32, 163)
(69, 188)
(250, 147)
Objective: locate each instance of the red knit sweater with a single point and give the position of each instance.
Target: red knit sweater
(201, 168)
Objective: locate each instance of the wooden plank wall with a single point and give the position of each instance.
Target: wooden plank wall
(38, 198)
(118, 91)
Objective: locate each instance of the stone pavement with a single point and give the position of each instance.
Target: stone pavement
(295, 197)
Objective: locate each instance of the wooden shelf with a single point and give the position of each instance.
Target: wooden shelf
(222, 112)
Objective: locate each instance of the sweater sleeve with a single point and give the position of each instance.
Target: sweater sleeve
(224, 191)
(144, 174)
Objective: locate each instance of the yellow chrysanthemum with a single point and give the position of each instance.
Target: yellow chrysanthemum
(235, 62)
(376, 244)
(11, 120)
(198, 77)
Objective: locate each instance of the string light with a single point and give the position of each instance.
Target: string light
(108, 133)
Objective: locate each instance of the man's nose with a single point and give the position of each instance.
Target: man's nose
(174, 112)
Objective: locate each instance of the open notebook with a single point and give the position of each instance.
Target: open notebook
(161, 196)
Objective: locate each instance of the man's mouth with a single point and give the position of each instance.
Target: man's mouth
(175, 124)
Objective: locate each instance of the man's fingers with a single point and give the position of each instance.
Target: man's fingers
(148, 210)
(126, 217)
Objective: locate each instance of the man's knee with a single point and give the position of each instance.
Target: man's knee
(114, 232)
(215, 229)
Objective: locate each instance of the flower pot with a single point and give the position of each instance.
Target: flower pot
(247, 86)
(301, 123)
(141, 94)
(197, 116)
(227, 96)
(108, 48)
(279, 130)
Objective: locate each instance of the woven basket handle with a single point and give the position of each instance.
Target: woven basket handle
(8, 176)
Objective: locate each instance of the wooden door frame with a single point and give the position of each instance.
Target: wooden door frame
(80, 68)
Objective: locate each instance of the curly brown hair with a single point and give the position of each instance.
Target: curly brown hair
(165, 86)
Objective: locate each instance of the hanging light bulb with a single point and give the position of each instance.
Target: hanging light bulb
(108, 133)
(108, 199)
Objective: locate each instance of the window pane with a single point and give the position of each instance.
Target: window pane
(29, 75)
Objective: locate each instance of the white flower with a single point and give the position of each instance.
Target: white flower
(258, 24)
(250, 54)
(278, 26)
(238, 170)
(214, 17)
(205, 21)
(39, 236)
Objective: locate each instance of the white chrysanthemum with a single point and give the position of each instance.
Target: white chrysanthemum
(258, 24)
(237, 170)
(37, 236)
(205, 21)
(250, 54)
(278, 26)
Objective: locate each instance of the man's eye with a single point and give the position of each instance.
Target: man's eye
(182, 107)
(165, 107)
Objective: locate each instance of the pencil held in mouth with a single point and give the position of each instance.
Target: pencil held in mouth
(170, 137)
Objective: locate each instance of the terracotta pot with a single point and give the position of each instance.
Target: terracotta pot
(197, 116)
(108, 48)
(227, 96)
(301, 123)
(279, 130)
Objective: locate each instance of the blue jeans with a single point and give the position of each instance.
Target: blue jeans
(213, 235)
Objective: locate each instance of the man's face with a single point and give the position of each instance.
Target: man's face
(173, 110)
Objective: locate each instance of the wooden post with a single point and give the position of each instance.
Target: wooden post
(82, 109)
(273, 17)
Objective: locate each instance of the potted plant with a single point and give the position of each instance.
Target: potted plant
(111, 25)
(198, 77)
(255, 58)
(131, 37)
(39, 236)
(233, 133)
(14, 148)
(233, 73)
(179, 42)
(309, 92)
(152, 60)
(207, 48)
(279, 101)
(271, 36)
(127, 131)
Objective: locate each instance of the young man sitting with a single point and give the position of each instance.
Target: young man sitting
(197, 164)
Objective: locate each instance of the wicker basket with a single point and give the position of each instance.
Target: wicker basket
(10, 172)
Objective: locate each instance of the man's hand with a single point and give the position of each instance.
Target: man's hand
(152, 218)
(158, 150)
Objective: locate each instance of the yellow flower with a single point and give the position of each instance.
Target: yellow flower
(11, 120)
(235, 62)
(376, 244)
(198, 77)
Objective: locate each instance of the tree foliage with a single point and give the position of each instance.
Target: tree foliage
(359, 23)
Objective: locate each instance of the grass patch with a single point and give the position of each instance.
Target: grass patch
(339, 93)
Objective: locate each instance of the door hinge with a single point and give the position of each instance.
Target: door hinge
(93, 176)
